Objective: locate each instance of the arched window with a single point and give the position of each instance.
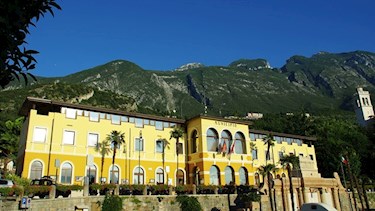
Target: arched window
(240, 146)
(283, 175)
(194, 137)
(159, 176)
(226, 141)
(257, 180)
(66, 173)
(91, 174)
(229, 176)
(114, 175)
(214, 175)
(36, 170)
(180, 177)
(243, 176)
(212, 140)
(138, 175)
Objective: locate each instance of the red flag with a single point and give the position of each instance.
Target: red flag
(224, 148)
(232, 147)
(344, 161)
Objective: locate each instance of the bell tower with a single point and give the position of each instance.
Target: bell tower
(363, 107)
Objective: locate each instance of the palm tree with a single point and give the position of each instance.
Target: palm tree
(290, 161)
(267, 171)
(165, 143)
(177, 133)
(116, 138)
(270, 142)
(104, 149)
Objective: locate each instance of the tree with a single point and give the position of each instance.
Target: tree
(16, 17)
(165, 143)
(116, 138)
(270, 142)
(104, 149)
(9, 139)
(177, 133)
(289, 162)
(266, 171)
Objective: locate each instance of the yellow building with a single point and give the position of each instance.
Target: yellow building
(60, 140)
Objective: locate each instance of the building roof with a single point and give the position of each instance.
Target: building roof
(266, 132)
(44, 106)
(201, 116)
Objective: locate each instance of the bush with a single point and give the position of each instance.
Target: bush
(206, 189)
(159, 189)
(35, 189)
(137, 189)
(65, 188)
(188, 203)
(112, 203)
(20, 181)
(184, 189)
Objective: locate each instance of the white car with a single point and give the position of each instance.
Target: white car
(6, 183)
(317, 207)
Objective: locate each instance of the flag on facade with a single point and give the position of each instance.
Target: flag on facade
(224, 148)
(232, 147)
(344, 161)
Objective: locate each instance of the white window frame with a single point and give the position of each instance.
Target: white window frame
(92, 118)
(35, 137)
(64, 138)
(71, 113)
(88, 139)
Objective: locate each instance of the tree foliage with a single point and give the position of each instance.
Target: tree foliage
(15, 18)
(9, 139)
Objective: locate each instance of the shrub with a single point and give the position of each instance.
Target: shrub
(138, 189)
(32, 190)
(184, 189)
(188, 203)
(112, 203)
(19, 180)
(206, 189)
(65, 188)
(159, 189)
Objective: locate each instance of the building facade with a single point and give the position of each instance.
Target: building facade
(63, 140)
(363, 107)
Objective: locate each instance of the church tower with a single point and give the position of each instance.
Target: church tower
(363, 107)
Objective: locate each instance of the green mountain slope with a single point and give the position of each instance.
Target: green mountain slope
(324, 82)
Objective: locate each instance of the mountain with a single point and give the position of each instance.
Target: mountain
(325, 82)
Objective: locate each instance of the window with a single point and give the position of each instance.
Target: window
(180, 149)
(138, 122)
(114, 175)
(40, 134)
(194, 137)
(159, 176)
(254, 154)
(138, 176)
(159, 125)
(79, 113)
(311, 157)
(71, 113)
(180, 177)
(257, 180)
(131, 119)
(66, 173)
(289, 140)
(152, 122)
(92, 139)
(301, 154)
(124, 119)
(36, 170)
(226, 141)
(68, 137)
(159, 146)
(102, 116)
(281, 154)
(138, 144)
(252, 137)
(243, 176)
(94, 116)
(165, 124)
(86, 113)
(212, 140)
(146, 122)
(240, 147)
(115, 119)
(277, 139)
(91, 174)
(229, 175)
(172, 125)
(214, 176)
(367, 102)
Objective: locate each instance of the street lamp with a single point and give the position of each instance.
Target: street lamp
(139, 155)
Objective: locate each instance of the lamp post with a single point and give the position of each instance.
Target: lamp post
(139, 155)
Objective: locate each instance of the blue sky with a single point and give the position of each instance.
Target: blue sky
(165, 34)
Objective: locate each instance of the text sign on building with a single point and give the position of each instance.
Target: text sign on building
(228, 124)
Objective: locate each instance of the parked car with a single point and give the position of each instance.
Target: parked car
(6, 183)
(46, 181)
